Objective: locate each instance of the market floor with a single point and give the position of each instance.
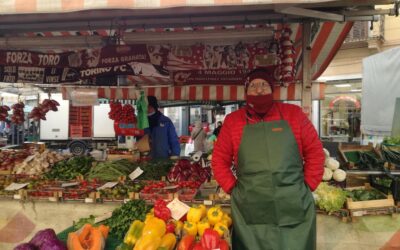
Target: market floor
(20, 221)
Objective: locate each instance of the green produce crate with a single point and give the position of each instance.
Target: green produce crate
(392, 188)
(111, 243)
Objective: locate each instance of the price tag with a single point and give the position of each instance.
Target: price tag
(108, 185)
(170, 187)
(178, 209)
(17, 197)
(16, 186)
(102, 217)
(71, 184)
(358, 213)
(53, 199)
(126, 200)
(135, 174)
(208, 202)
(88, 200)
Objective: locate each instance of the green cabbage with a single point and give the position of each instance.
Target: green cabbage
(330, 198)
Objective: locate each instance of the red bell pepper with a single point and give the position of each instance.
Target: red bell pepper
(161, 210)
(198, 246)
(184, 218)
(186, 243)
(223, 245)
(171, 227)
(210, 239)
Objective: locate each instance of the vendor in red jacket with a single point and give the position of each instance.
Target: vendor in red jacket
(278, 160)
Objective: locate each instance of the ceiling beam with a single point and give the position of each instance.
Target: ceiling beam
(296, 11)
(372, 12)
(110, 14)
(200, 36)
(30, 43)
(169, 22)
(373, 18)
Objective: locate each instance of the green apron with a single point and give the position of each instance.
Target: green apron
(272, 207)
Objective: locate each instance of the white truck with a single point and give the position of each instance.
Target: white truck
(77, 128)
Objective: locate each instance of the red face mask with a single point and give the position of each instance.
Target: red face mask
(260, 103)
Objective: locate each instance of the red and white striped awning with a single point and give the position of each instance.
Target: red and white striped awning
(62, 6)
(196, 93)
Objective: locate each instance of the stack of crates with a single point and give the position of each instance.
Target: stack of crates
(80, 121)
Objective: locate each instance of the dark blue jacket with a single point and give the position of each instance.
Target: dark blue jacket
(164, 141)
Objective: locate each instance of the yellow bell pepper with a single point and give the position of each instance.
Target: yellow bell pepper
(154, 226)
(227, 220)
(203, 211)
(201, 226)
(148, 216)
(178, 227)
(168, 241)
(148, 242)
(214, 215)
(134, 233)
(221, 228)
(190, 228)
(194, 215)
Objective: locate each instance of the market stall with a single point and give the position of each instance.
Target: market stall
(174, 51)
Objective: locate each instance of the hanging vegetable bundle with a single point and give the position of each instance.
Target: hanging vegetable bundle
(4, 112)
(116, 111)
(17, 116)
(39, 112)
(123, 114)
(287, 58)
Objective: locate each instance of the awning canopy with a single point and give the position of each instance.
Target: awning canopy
(195, 93)
(64, 6)
(27, 21)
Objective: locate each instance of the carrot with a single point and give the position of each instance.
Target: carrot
(84, 233)
(73, 242)
(96, 239)
(104, 230)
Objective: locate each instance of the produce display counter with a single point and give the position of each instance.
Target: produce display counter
(371, 172)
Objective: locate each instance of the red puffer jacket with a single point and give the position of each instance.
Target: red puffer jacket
(227, 146)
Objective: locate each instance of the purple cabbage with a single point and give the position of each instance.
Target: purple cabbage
(47, 240)
(26, 246)
(53, 245)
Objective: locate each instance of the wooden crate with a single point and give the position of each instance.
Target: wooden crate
(114, 157)
(347, 148)
(39, 146)
(6, 172)
(342, 214)
(357, 205)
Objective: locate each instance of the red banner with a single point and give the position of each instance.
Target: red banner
(89, 58)
(215, 76)
(189, 64)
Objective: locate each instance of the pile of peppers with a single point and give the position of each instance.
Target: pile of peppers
(210, 240)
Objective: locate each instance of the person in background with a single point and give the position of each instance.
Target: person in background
(279, 160)
(198, 136)
(164, 142)
(33, 128)
(217, 129)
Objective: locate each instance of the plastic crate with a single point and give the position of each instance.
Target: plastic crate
(81, 116)
(187, 194)
(75, 131)
(394, 188)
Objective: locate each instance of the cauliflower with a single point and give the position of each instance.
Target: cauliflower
(326, 153)
(339, 175)
(332, 164)
(330, 198)
(327, 174)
